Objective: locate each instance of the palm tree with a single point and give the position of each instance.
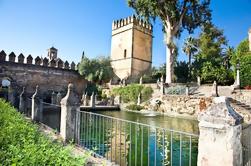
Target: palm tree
(189, 48)
(228, 54)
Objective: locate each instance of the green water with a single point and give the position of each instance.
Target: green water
(126, 143)
(159, 120)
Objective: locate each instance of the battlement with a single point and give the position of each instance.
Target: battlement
(38, 61)
(131, 20)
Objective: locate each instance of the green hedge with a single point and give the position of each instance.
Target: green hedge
(245, 70)
(21, 143)
(130, 93)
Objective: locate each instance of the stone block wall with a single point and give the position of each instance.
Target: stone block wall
(179, 105)
(54, 76)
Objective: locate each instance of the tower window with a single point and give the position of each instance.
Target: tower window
(124, 53)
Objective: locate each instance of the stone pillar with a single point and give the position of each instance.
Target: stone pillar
(59, 98)
(215, 90)
(139, 99)
(84, 99)
(119, 99)
(70, 107)
(22, 101)
(53, 98)
(112, 100)
(187, 90)
(92, 100)
(238, 79)
(198, 81)
(36, 107)
(141, 80)
(220, 135)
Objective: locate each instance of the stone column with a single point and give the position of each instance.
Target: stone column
(36, 106)
(92, 100)
(22, 101)
(70, 107)
(215, 90)
(198, 81)
(59, 98)
(53, 98)
(238, 78)
(139, 99)
(141, 80)
(220, 135)
(187, 90)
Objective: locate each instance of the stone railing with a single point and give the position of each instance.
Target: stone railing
(39, 61)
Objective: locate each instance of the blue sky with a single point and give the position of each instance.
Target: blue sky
(32, 26)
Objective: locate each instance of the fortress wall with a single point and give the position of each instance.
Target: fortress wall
(48, 77)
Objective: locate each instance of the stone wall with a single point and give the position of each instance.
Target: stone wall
(49, 76)
(131, 47)
(181, 106)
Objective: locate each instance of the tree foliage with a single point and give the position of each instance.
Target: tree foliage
(209, 61)
(130, 93)
(97, 70)
(176, 16)
(181, 72)
(243, 55)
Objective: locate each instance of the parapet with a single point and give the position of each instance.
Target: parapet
(132, 20)
(59, 64)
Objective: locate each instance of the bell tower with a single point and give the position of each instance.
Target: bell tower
(52, 53)
(131, 47)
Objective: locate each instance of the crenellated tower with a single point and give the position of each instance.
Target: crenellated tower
(52, 53)
(131, 47)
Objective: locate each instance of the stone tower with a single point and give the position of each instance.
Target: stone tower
(131, 47)
(52, 53)
(249, 39)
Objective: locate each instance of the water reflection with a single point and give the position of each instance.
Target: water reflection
(186, 125)
(131, 144)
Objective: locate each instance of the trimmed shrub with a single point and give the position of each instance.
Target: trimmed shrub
(245, 70)
(134, 107)
(130, 93)
(22, 144)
